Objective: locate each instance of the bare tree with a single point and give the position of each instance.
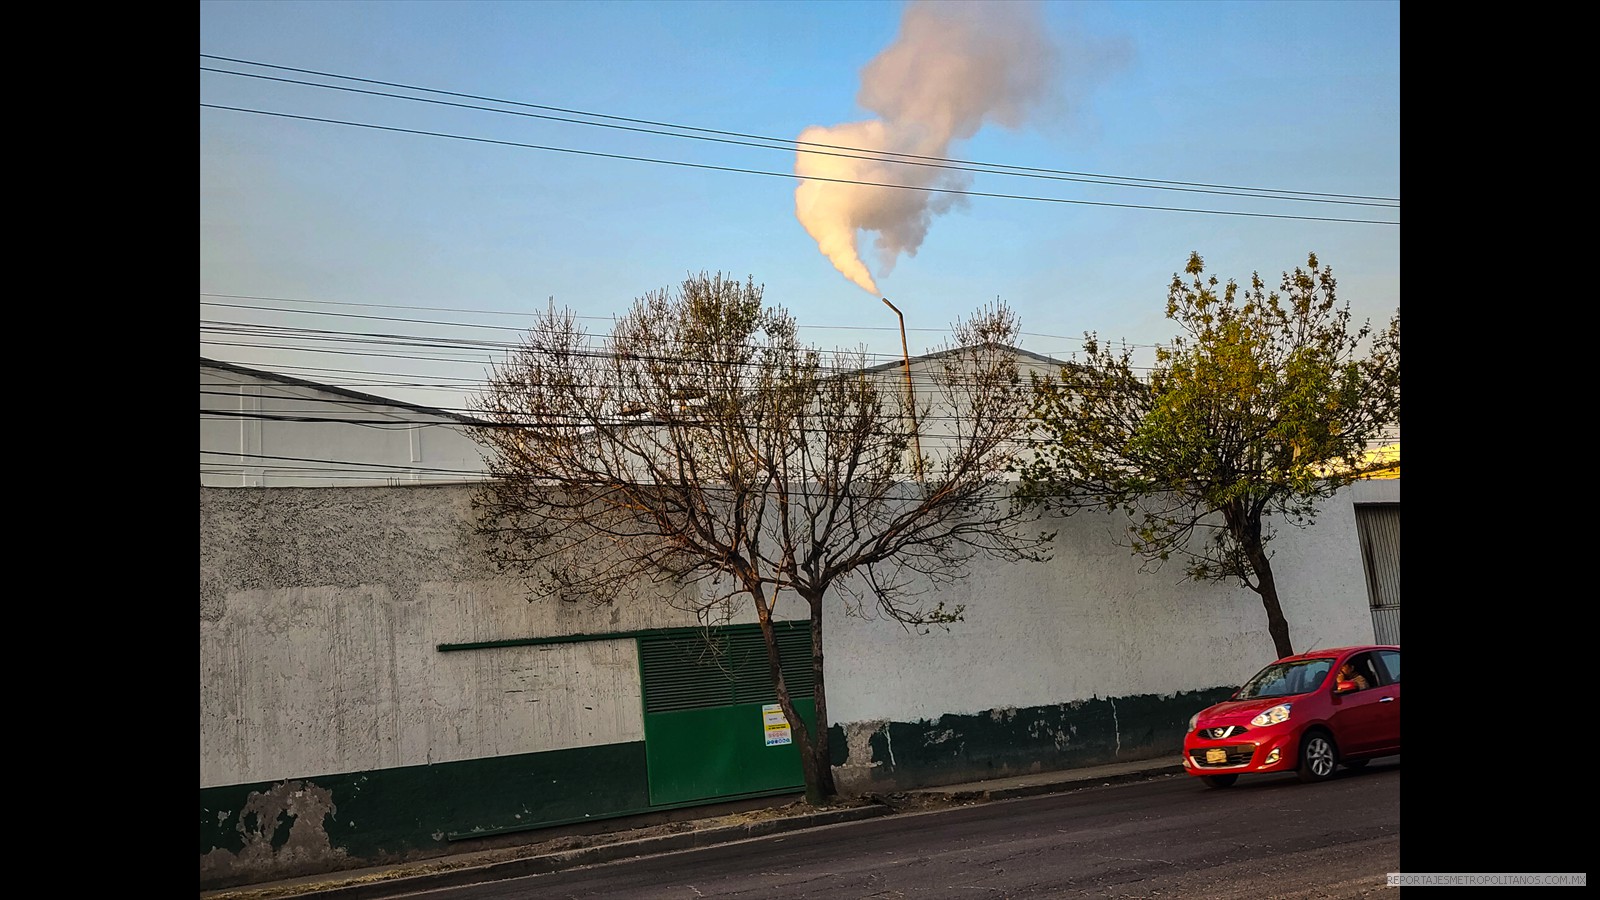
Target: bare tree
(701, 447)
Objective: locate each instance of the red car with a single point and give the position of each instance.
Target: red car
(1306, 713)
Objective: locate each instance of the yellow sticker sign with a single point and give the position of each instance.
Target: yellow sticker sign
(775, 725)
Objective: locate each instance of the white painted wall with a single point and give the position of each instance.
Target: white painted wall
(321, 611)
(331, 679)
(1090, 624)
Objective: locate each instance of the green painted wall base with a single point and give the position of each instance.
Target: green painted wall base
(283, 829)
(1014, 741)
(251, 833)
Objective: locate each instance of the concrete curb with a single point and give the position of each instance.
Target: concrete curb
(1034, 790)
(586, 856)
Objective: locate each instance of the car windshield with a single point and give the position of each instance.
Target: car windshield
(1285, 679)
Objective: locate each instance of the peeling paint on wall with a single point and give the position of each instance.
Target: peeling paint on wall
(283, 833)
(326, 823)
(857, 739)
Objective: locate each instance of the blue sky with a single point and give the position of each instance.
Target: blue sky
(1289, 96)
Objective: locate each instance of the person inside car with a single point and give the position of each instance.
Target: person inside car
(1347, 672)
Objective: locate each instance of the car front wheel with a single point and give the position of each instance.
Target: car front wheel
(1219, 781)
(1317, 757)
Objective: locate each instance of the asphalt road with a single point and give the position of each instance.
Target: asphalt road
(1170, 837)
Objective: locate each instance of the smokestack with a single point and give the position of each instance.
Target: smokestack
(954, 67)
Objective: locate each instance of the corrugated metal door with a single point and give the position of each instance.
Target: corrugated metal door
(705, 732)
(1378, 525)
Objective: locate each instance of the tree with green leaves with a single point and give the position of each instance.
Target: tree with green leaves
(702, 449)
(1265, 405)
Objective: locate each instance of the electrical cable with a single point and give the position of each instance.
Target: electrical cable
(786, 175)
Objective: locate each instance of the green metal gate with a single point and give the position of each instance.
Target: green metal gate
(706, 722)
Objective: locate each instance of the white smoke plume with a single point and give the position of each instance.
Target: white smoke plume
(954, 67)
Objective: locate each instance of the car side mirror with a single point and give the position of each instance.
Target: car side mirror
(1344, 687)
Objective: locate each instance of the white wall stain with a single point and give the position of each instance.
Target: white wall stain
(858, 743)
(1002, 714)
(857, 771)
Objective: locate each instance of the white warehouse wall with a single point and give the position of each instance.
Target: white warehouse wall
(254, 432)
(1090, 624)
(322, 611)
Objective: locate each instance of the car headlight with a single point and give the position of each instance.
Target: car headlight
(1273, 716)
(1193, 721)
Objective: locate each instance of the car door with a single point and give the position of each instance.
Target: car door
(1387, 725)
(1361, 719)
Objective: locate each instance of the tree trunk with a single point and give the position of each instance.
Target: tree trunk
(1267, 587)
(813, 747)
(821, 756)
(1277, 625)
(1246, 527)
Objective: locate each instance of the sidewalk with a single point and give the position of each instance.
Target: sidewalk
(555, 856)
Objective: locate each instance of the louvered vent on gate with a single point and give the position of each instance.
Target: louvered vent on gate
(1378, 529)
(729, 667)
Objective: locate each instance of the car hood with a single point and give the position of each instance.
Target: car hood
(1240, 712)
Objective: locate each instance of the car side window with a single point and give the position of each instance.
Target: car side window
(1365, 671)
(1390, 662)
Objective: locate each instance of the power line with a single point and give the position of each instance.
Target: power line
(785, 175)
(497, 354)
(854, 152)
(833, 362)
(335, 464)
(324, 371)
(245, 328)
(489, 312)
(786, 141)
(549, 423)
(851, 361)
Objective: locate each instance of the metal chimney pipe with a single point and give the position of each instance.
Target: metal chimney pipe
(911, 397)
